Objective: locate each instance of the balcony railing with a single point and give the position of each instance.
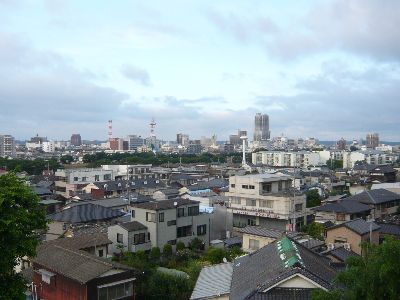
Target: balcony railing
(144, 247)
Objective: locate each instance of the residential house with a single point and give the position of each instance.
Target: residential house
(352, 234)
(132, 236)
(173, 220)
(380, 173)
(267, 200)
(341, 211)
(282, 269)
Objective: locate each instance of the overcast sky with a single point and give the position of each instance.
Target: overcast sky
(327, 69)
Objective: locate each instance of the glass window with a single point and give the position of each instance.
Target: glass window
(280, 186)
(96, 177)
(139, 238)
(267, 203)
(250, 202)
(235, 200)
(184, 231)
(76, 178)
(120, 238)
(232, 185)
(266, 187)
(133, 213)
(150, 217)
(245, 186)
(101, 253)
(193, 211)
(201, 229)
(161, 217)
(171, 223)
(298, 207)
(181, 212)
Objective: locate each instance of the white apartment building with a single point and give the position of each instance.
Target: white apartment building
(48, 147)
(70, 181)
(173, 220)
(301, 159)
(325, 155)
(373, 157)
(131, 172)
(267, 200)
(7, 146)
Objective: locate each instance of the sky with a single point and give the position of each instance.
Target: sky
(325, 69)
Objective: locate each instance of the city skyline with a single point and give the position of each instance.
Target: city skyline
(326, 69)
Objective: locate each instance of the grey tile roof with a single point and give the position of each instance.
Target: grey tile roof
(84, 213)
(213, 281)
(312, 243)
(262, 231)
(390, 229)
(75, 264)
(164, 204)
(82, 242)
(264, 268)
(358, 225)
(340, 253)
(134, 184)
(132, 226)
(375, 196)
(344, 206)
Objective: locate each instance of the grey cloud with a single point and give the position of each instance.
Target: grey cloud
(136, 74)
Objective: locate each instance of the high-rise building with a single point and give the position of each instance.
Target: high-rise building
(235, 138)
(182, 139)
(76, 139)
(7, 146)
(135, 142)
(116, 144)
(372, 140)
(261, 127)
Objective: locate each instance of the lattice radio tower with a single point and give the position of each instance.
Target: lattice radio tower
(109, 130)
(152, 128)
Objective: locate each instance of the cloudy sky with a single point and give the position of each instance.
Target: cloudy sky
(328, 69)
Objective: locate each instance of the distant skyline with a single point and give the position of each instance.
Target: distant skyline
(325, 69)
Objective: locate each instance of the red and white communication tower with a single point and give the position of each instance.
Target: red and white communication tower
(152, 128)
(109, 130)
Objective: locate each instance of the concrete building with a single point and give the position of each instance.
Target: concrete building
(182, 139)
(135, 142)
(261, 127)
(116, 144)
(373, 157)
(372, 140)
(76, 139)
(7, 146)
(301, 159)
(173, 220)
(133, 236)
(48, 147)
(70, 181)
(266, 200)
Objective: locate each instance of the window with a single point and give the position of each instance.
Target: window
(184, 231)
(251, 222)
(76, 178)
(201, 229)
(267, 203)
(250, 202)
(251, 187)
(232, 185)
(107, 177)
(254, 244)
(171, 223)
(340, 217)
(266, 187)
(193, 211)
(148, 236)
(298, 207)
(161, 217)
(101, 253)
(280, 186)
(287, 184)
(133, 213)
(150, 217)
(139, 238)
(96, 177)
(122, 290)
(181, 212)
(245, 186)
(120, 238)
(172, 242)
(84, 178)
(235, 200)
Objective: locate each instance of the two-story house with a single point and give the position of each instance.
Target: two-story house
(267, 200)
(172, 220)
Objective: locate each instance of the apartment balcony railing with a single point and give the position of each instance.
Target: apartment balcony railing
(144, 247)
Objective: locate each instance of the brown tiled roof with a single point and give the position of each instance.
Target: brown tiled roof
(164, 204)
(75, 264)
(83, 241)
(132, 226)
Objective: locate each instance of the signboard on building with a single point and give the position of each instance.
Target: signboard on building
(258, 213)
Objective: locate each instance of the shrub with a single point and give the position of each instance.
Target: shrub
(180, 246)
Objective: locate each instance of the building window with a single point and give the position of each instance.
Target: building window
(101, 253)
(171, 223)
(193, 211)
(139, 238)
(172, 242)
(267, 203)
(118, 291)
(76, 178)
(161, 217)
(245, 186)
(184, 231)
(232, 185)
(235, 200)
(107, 177)
(84, 179)
(254, 244)
(96, 177)
(251, 187)
(133, 213)
(150, 217)
(251, 222)
(120, 238)
(201, 229)
(181, 212)
(298, 207)
(250, 202)
(148, 236)
(280, 186)
(266, 187)
(340, 217)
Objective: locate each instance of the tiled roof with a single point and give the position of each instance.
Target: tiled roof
(375, 196)
(341, 254)
(81, 242)
(132, 226)
(213, 281)
(359, 226)
(262, 231)
(84, 213)
(75, 264)
(344, 206)
(265, 267)
(164, 204)
(390, 229)
(134, 184)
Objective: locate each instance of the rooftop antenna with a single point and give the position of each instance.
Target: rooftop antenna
(152, 128)
(109, 130)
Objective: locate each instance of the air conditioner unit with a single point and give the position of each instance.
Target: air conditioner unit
(331, 246)
(347, 246)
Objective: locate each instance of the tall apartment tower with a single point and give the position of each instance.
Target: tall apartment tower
(76, 139)
(182, 139)
(372, 140)
(261, 127)
(7, 146)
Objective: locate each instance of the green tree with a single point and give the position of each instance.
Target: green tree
(315, 230)
(166, 286)
(334, 164)
(375, 275)
(180, 246)
(22, 219)
(216, 255)
(313, 198)
(196, 244)
(167, 251)
(66, 159)
(155, 254)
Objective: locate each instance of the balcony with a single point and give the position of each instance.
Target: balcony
(144, 247)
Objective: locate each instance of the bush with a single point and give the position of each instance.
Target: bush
(167, 250)
(180, 246)
(216, 255)
(196, 244)
(155, 253)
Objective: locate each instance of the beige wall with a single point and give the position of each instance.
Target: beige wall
(262, 240)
